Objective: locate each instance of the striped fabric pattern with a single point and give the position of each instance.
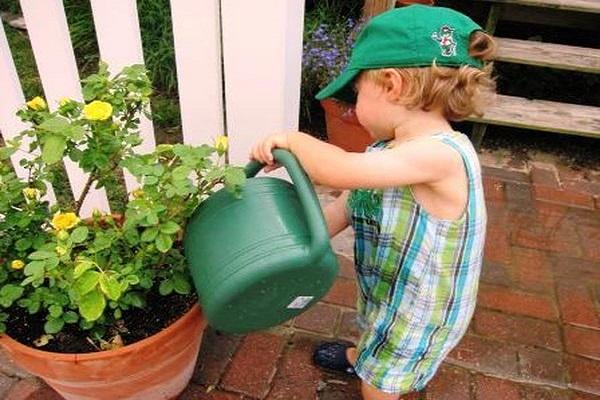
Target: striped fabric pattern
(417, 277)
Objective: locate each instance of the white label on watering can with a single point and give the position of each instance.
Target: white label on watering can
(300, 302)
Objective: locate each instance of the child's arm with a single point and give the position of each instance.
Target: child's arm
(336, 216)
(414, 162)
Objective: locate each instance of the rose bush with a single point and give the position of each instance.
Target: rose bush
(87, 271)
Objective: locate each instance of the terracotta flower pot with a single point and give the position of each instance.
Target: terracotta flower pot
(343, 128)
(158, 367)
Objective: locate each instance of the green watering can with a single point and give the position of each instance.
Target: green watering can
(264, 258)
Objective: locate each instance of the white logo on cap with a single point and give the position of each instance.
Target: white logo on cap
(445, 38)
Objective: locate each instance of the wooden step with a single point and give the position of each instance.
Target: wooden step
(550, 55)
(543, 115)
(590, 6)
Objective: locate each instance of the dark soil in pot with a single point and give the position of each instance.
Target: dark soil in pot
(138, 324)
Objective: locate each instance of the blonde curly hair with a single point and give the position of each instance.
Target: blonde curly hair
(457, 92)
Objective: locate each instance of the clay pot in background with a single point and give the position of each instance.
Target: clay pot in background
(343, 128)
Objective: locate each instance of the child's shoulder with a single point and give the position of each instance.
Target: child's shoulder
(443, 150)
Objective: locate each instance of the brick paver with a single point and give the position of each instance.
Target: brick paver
(517, 329)
(254, 365)
(535, 334)
(321, 318)
(488, 388)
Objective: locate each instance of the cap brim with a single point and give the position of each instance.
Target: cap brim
(341, 87)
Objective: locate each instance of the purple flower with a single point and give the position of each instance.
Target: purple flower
(326, 50)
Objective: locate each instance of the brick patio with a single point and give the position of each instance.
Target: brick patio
(535, 334)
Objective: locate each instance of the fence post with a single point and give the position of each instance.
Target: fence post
(197, 37)
(262, 56)
(51, 43)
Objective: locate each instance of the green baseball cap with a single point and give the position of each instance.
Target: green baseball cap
(411, 36)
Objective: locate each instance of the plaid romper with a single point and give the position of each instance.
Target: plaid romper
(417, 277)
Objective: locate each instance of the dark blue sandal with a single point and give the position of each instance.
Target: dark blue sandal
(332, 356)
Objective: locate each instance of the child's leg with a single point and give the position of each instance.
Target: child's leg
(369, 392)
(372, 393)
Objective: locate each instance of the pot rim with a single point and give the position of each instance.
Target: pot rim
(193, 312)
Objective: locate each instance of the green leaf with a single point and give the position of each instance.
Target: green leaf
(132, 237)
(149, 234)
(150, 180)
(6, 152)
(181, 284)
(41, 255)
(23, 244)
(55, 311)
(110, 286)
(52, 263)
(166, 287)
(79, 234)
(9, 293)
(76, 132)
(163, 148)
(53, 149)
(163, 243)
(92, 305)
(57, 124)
(53, 325)
(86, 325)
(169, 228)
(135, 299)
(33, 306)
(158, 170)
(132, 279)
(234, 177)
(35, 269)
(87, 282)
(102, 242)
(152, 219)
(76, 154)
(118, 314)
(181, 172)
(70, 317)
(81, 267)
(34, 281)
(146, 282)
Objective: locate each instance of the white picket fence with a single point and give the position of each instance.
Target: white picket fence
(254, 47)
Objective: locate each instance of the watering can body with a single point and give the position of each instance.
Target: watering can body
(261, 259)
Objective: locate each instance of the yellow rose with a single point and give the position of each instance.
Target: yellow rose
(17, 264)
(31, 194)
(137, 193)
(64, 221)
(64, 101)
(221, 144)
(37, 104)
(97, 110)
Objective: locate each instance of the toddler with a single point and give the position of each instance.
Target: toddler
(414, 198)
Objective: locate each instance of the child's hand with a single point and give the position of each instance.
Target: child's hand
(263, 150)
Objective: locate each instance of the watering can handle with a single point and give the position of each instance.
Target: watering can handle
(319, 236)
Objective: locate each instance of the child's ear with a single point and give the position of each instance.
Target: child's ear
(393, 84)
